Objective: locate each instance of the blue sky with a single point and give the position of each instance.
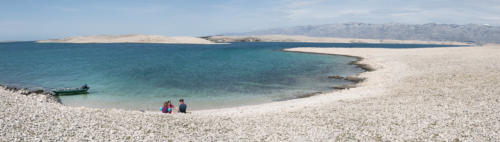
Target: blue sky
(37, 19)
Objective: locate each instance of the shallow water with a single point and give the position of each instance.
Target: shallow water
(143, 76)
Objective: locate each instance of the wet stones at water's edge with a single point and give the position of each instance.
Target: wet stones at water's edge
(346, 86)
(354, 79)
(336, 77)
(26, 91)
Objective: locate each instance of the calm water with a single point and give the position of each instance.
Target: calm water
(142, 76)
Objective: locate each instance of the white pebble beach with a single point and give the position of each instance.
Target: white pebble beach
(425, 94)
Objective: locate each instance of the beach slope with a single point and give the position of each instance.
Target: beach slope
(428, 94)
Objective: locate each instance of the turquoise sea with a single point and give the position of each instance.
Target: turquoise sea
(143, 76)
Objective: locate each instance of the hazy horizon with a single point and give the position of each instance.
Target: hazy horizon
(35, 20)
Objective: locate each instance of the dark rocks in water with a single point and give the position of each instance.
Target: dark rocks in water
(345, 86)
(354, 79)
(25, 91)
(11, 88)
(336, 77)
(308, 95)
(39, 91)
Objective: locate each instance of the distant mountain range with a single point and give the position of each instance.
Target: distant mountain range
(471, 33)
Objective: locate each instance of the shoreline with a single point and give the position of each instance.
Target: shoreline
(139, 38)
(301, 38)
(353, 79)
(431, 94)
(358, 63)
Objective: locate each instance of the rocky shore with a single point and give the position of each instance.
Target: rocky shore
(431, 94)
(298, 38)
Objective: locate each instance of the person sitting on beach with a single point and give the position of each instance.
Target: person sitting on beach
(182, 106)
(167, 107)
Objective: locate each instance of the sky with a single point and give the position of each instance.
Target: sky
(38, 19)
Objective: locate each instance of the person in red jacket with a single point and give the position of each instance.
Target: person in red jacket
(167, 107)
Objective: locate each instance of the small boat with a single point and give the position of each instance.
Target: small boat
(72, 91)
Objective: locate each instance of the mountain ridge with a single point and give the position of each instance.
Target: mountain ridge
(470, 33)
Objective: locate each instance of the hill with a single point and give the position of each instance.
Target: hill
(470, 33)
(129, 39)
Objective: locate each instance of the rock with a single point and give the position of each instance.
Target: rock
(336, 77)
(37, 91)
(346, 86)
(354, 79)
(308, 95)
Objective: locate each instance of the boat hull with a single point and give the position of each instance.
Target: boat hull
(71, 92)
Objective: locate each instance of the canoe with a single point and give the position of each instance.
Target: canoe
(72, 91)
